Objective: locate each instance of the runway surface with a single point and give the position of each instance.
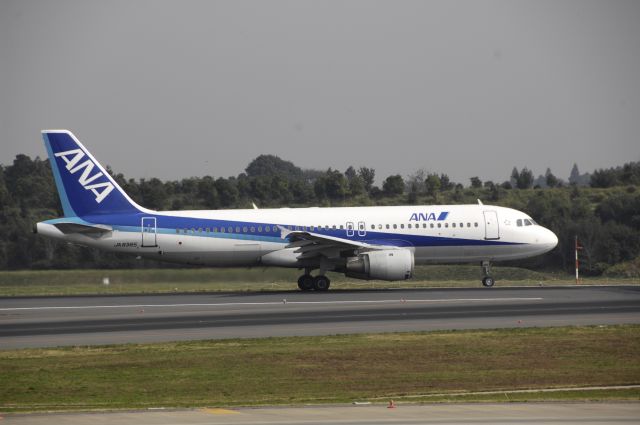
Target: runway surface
(450, 414)
(88, 320)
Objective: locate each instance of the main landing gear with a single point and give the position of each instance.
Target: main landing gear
(487, 280)
(306, 282)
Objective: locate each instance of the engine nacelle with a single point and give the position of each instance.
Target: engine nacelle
(388, 264)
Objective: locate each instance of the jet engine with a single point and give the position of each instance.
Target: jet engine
(388, 264)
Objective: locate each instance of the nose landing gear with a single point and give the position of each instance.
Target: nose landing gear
(487, 280)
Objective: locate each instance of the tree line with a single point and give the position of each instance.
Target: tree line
(602, 208)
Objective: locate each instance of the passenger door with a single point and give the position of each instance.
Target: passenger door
(149, 235)
(491, 226)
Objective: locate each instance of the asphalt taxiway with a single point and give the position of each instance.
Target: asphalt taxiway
(88, 320)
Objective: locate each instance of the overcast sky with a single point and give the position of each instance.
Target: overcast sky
(174, 89)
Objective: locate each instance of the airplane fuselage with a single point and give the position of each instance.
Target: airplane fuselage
(223, 238)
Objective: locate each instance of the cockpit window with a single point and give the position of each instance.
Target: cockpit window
(519, 222)
(527, 222)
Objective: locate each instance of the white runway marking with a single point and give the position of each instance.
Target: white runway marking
(284, 301)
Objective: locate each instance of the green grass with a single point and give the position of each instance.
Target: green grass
(73, 282)
(326, 369)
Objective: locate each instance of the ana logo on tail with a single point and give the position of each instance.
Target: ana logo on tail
(73, 158)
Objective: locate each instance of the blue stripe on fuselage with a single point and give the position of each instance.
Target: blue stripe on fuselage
(168, 224)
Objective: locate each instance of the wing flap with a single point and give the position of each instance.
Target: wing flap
(312, 245)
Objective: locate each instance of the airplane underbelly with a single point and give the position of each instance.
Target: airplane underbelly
(468, 254)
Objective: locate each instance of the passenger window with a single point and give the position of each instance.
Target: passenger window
(259, 229)
(453, 224)
(461, 224)
(446, 225)
(333, 227)
(424, 225)
(178, 231)
(222, 230)
(468, 224)
(373, 227)
(215, 230)
(439, 225)
(229, 229)
(431, 225)
(253, 229)
(200, 230)
(395, 226)
(475, 224)
(402, 226)
(244, 229)
(387, 226)
(193, 230)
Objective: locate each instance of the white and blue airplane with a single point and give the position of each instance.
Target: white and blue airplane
(362, 242)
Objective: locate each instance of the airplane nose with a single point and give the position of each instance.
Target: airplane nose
(549, 239)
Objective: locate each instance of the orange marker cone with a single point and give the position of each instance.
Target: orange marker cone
(391, 405)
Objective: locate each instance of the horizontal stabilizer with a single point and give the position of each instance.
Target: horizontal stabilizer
(82, 228)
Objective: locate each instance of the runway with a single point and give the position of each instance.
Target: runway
(89, 320)
(449, 414)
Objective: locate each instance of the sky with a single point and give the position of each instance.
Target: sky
(175, 89)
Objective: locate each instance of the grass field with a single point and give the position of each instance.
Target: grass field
(431, 366)
(72, 282)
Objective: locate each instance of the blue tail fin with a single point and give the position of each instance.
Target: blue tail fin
(85, 188)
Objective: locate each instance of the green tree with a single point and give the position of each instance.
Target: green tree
(476, 183)
(271, 165)
(355, 182)
(515, 177)
(393, 185)
(432, 184)
(525, 179)
(368, 176)
(550, 179)
(208, 193)
(227, 192)
(153, 194)
(445, 183)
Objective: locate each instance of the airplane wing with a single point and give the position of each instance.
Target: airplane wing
(311, 245)
(82, 228)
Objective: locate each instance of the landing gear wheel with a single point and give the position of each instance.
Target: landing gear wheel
(306, 282)
(321, 283)
(488, 281)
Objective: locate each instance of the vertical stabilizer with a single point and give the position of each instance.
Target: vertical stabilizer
(84, 186)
